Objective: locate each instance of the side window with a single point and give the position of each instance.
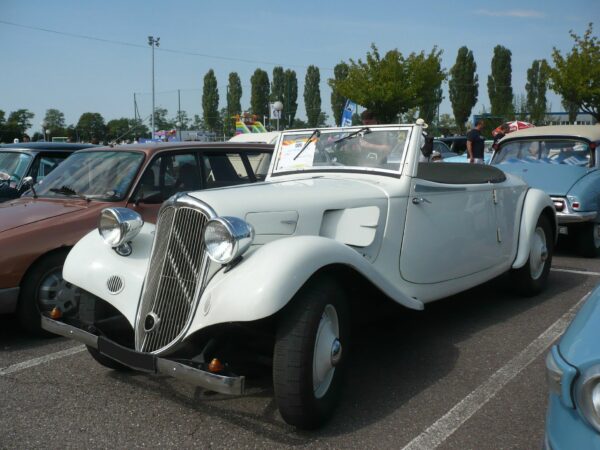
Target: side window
(167, 175)
(259, 162)
(46, 164)
(224, 169)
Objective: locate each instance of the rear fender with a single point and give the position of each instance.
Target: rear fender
(269, 277)
(536, 203)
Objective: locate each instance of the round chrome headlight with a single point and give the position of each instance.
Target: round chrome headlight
(588, 396)
(227, 238)
(117, 226)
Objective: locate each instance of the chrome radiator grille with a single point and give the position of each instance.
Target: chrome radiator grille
(176, 276)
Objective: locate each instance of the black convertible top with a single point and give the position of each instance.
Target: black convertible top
(459, 173)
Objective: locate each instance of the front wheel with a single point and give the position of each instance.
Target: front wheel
(311, 351)
(588, 240)
(531, 278)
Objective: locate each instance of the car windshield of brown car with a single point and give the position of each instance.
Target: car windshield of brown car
(13, 166)
(101, 175)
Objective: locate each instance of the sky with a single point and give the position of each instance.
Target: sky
(92, 56)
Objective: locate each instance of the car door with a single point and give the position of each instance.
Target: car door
(450, 229)
(166, 175)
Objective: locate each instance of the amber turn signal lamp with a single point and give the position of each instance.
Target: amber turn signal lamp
(215, 366)
(56, 313)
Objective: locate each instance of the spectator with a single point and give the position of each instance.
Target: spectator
(504, 130)
(26, 138)
(475, 143)
(377, 145)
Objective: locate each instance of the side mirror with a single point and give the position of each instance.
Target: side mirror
(28, 182)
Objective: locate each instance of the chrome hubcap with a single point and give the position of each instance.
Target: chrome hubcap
(327, 352)
(55, 291)
(538, 254)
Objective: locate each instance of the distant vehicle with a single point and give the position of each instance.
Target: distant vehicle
(457, 144)
(487, 154)
(562, 160)
(38, 230)
(573, 376)
(30, 159)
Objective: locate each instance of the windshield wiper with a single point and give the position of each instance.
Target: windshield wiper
(66, 190)
(365, 130)
(316, 133)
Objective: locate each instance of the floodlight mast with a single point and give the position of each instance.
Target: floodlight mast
(153, 42)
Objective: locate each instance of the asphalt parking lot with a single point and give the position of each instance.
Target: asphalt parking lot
(466, 373)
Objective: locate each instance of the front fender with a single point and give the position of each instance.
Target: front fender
(536, 203)
(269, 277)
(91, 263)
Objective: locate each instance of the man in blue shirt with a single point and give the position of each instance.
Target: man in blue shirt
(475, 144)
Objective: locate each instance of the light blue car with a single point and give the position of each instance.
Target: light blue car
(563, 161)
(573, 375)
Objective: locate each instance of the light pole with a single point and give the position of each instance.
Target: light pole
(278, 107)
(48, 132)
(153, 42)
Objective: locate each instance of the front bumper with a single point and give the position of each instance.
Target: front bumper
(575, 217)
(147, 362)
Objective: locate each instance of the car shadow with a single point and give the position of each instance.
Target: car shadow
(393, 360)
(14, 338)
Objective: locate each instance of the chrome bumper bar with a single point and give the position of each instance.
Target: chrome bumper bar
(575, 217)
(148, 362)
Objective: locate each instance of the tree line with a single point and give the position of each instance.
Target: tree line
(393, 86)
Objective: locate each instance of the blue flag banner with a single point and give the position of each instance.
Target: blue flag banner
(349, 110)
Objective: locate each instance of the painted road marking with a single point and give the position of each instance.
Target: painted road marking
(41, 360)
(578, 272)
(443, 428)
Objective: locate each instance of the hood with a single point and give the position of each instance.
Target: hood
(579, 343)
(554, 179)
(28, 210)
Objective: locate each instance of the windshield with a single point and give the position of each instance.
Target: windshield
(13, 166)
(102, 175)
(359, 148)
(552, 151)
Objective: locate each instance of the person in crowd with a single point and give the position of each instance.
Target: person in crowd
(374, 143)
(504, 130)
(475, 143)
(26, 138)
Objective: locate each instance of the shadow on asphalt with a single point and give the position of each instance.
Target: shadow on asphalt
(14, 338)
(392, 361)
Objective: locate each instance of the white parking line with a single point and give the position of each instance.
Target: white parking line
(41, 360)
(443, 428)
(579, 272)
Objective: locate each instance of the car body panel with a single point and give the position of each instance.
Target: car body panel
(550, 178)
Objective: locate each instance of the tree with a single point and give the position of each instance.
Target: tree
(197, 123)
(428, 77)
(391, 85)
(2, 118)
(259, 99)
(572, 109)
(117, 129)
(290, 98)
(138, 128)
(161, 122)
(54, 119)
(537, 83)
(19, 120)
(312, 95)
(576, 76)
(210, 101)
(234, 105)
(520, 107)
(299, 123)
(463, 87)
(182, 118)
(499, 83)
(338, 101)
(91, 127)
(278, 88)
(447, 125)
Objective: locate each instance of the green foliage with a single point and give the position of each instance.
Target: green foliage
(161, 122)
(463, 87)
(91, 127)
(183, 119)
(537, 84)
(290, 98)
(392, 85)
(447, 125)
(210, 101)
(299, 123)
(234, 94)
(259, 98)
(197, 123)
(312, 95)
(20, 120)
(117, 129)
(572, 109)
(55, 121)
(2, 118)
(428, 76)
(278, 88)
(338, 101)
(520, 107)
(576, 76)
(499, 83)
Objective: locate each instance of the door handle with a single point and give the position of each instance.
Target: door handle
(419, 200)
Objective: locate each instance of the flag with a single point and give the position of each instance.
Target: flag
(349, 110)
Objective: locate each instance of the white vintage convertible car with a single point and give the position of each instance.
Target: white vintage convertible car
(279, 269)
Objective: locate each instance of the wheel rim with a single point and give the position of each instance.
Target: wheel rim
(596, 236)
(538, 254)
(55, 291)
(328, 351)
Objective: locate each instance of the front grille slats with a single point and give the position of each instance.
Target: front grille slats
(175, 278)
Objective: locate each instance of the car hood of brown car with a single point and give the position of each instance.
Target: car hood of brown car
(25, 211)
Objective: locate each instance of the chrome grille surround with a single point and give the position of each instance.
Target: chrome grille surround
(176, 274)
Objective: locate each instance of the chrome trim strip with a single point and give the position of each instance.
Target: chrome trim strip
(424, 188)
(567, 215)
(191, 375)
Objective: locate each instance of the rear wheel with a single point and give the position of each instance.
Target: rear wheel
(588, 239)
(311, 351)
(531, 278)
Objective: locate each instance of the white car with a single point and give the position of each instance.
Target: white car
(278, 269)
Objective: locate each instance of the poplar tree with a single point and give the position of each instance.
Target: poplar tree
(536, 86)
(463, 87)
(338, 101)
(499, 83)
(259, 99)
(312, 96)
(210, 101)
(290, 98)
(278, 88)
(234, 105)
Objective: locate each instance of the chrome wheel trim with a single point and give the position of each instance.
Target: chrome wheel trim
(538, 254)
(55, 291)
(327, 352)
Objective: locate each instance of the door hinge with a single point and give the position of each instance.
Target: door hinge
(498, 235)
(495, 196)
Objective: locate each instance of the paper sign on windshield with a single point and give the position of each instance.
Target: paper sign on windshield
(290, 149)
